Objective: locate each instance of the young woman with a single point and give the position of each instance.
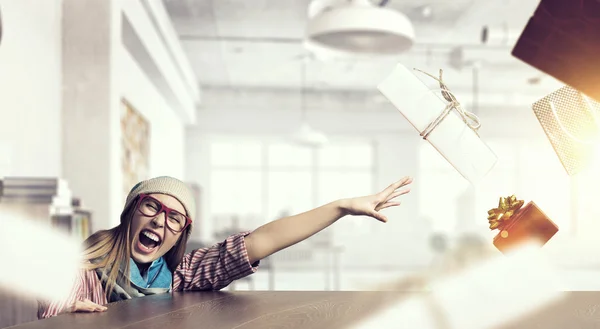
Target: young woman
(144, 254)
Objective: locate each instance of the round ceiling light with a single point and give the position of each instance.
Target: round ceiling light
(361, 27)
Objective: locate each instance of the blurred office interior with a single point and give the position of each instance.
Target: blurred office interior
(228, 97)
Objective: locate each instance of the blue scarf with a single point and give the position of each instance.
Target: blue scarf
(158, 275)
(157, 280)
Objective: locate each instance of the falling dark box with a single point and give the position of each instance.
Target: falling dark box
(562, 39)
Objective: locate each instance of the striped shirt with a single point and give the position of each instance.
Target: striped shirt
(211, 268)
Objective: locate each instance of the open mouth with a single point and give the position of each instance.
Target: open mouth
(148, 241)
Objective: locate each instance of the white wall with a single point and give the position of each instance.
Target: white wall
(63, 65)
(30, 89)
(197, 161)
(163, 46)
(167, 130)
(90, 113)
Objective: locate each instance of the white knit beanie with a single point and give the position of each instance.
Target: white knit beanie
(165, 185)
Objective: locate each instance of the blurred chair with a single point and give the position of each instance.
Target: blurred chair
(304, 256)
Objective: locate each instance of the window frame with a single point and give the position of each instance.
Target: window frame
(266, 168)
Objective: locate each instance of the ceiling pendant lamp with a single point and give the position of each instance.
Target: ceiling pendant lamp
(359, 27)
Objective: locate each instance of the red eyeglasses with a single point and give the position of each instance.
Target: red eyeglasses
(150, 207)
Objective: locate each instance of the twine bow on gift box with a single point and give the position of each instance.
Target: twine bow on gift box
(469, 118)
(501, 216)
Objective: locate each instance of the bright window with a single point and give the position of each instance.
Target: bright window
(289, 192)
(346, 155)
(334, 185)
(236, 154)
(546, 182)
(236, 191)
(268, 179)
(345, 170)
(440, 187)
(285, 155)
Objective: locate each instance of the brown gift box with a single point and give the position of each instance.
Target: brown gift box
(562, 39)
(520, 224)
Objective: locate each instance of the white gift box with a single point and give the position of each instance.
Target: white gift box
(452, 138)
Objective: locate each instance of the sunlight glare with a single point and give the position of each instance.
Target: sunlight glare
(38, 262)
(492, 293)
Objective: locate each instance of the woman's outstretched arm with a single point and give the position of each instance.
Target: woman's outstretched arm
(287, 231)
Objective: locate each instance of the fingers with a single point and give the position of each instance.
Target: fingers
(95, 307)
(88, 306)
(387, 205)
(397, 194)
(379, 217)
(393, 187)
(83, 306)
(388, 194)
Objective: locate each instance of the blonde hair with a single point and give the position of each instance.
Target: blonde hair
(110, 250)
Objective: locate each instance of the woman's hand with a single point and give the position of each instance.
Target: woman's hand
(370, 205)
(87, 305)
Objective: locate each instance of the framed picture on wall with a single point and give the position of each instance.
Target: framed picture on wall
(135, 146)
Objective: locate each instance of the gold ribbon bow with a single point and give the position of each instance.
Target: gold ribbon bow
(469, 118)
(501, 216)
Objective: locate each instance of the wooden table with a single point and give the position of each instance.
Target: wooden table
(257, 309)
